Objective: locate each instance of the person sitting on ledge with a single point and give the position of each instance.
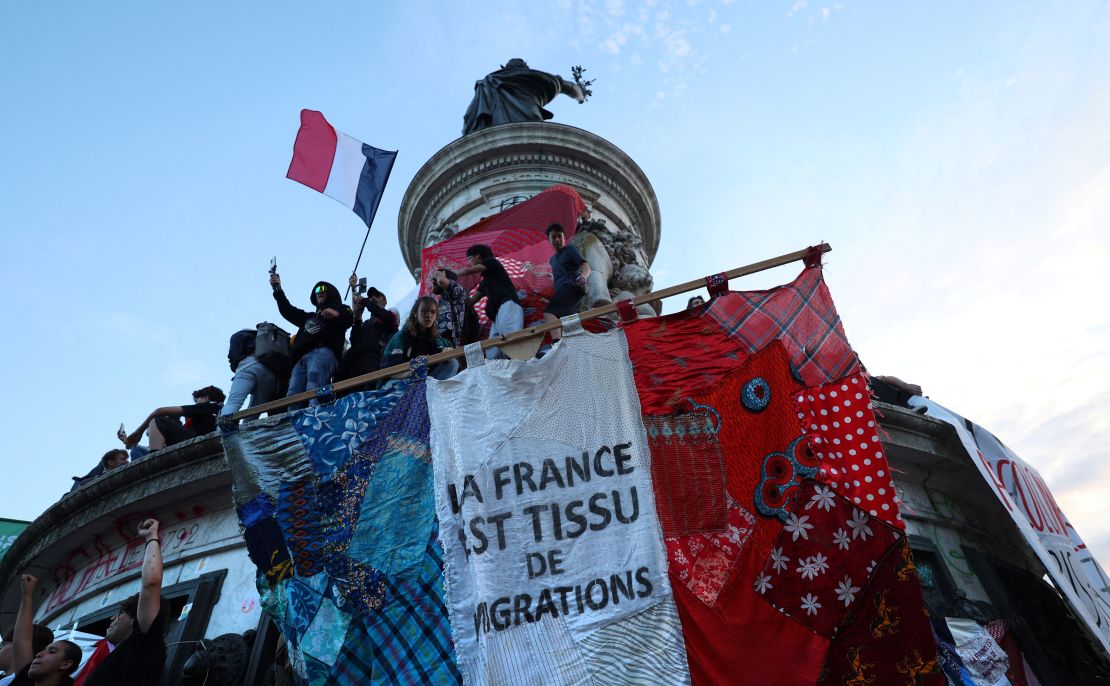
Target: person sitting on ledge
(116, 457)
(50, 666)
(892, 390)
(166, 428)
(418, 338)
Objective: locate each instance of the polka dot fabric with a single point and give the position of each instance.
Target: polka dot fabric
(841, 429)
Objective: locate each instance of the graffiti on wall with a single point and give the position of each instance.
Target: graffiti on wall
(121, 551)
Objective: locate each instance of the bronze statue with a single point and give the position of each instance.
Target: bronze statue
(515, 93)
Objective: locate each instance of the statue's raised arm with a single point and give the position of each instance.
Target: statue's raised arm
(515, 93)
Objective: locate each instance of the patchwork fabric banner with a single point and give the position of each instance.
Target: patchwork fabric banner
(556, 568)
(336, 506)
(813, 538)
(701, 497)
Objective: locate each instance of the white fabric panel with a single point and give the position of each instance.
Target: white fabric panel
(346, 169)
(515, 497)
(982, 656)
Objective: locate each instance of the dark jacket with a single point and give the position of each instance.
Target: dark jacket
(313, 331)
(368, 340)
(404, 346)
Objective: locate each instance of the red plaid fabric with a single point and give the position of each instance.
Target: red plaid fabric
(800, 314)
(823, 558)
(840, 426)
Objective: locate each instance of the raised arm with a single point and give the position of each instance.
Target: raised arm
(472, 269)
(291, 314)
(24, 626)
(150, 593)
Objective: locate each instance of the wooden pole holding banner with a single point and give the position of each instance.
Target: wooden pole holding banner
(537, 330)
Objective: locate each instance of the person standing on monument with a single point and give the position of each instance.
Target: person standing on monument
(320, 335)
(368, 338)
(569, 271)
(453, 308)
(502, 302)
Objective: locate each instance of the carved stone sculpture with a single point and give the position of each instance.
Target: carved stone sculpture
(515, 93)
(621, 272)
(440, 233)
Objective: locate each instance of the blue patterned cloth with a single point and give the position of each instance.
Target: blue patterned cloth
(337, 508)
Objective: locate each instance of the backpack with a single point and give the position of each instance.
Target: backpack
(242, 345)
(272, 348)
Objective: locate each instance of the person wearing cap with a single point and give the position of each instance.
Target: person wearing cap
(320, 335)
(368, 338)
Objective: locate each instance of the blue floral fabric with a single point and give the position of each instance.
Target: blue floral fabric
(337, 508)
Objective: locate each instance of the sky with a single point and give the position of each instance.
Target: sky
(955, 155)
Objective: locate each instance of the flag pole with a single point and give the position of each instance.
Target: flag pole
(807, 254)
(357, 260)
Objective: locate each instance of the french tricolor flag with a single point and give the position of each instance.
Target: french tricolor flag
(340, 167)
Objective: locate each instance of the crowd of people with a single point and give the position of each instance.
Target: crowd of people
(334, 342)
(132, 652)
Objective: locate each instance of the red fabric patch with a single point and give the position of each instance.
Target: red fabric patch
(676, 357)
(704, 562)
(800, 314)
(748, 436)
(1000, 632)
(517, 239)
(743, 640)
(823, 558)
(888, 639)
(687, 472)
(842, 431)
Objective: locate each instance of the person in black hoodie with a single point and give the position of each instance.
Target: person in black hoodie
(319, 338)
(368, 338)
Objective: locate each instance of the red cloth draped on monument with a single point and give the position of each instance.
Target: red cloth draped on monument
(784, 538)
(518, 240)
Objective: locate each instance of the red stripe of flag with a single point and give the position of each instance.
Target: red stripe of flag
(313, 152)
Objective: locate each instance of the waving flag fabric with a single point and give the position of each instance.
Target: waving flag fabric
(340, 167)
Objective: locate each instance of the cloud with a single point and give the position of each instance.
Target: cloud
(798, 6)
